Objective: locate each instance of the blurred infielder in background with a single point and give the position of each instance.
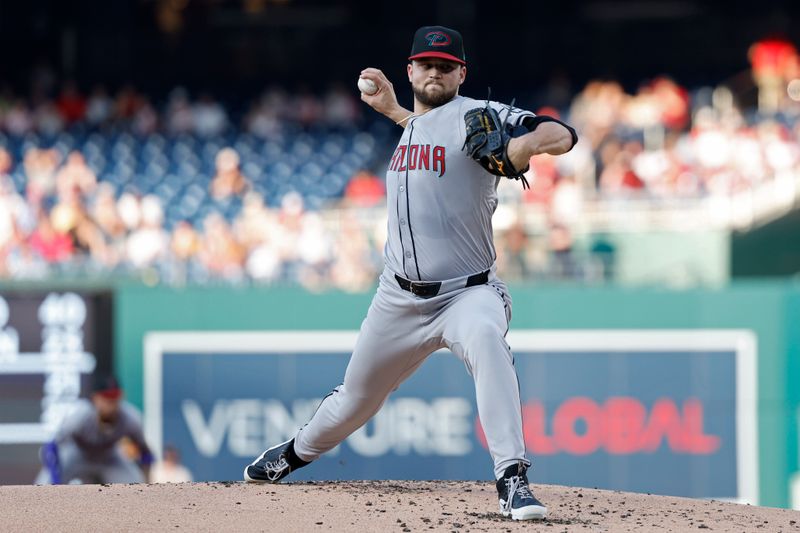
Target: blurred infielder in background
(439, 287)
(85, 448)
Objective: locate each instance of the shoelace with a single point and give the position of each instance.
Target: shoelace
(512, 484)
(524, 491)
(516, 485)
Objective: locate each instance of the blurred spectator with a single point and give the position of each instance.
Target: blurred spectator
(12, 209)
(604, 253)
(673, 103)
(277, 102)
(264, 264)
(67, 214)
(104, 212)
(340, 106)
(566, 205)
(18, 119)
(126, 103)
(180, 118)
(129, 210)
(774, 62)
(563, 264)
(184, 248)
(314, 251)
(306, 109)
(50, 245)
(23, 262)
(255, 221)
(597, 109)
(660, 103)
(364, 189)
(145, 118)
(99, 107)
(220, 252)
(255, 227)
(69, 217)
(208, 117)
(170, 469)
(185, 242)
(149, 242)
(71, 104)
(542, 176)
(516, 247)
(6, 162)
(290, 223)
(40, 169)
(228, 180)
(353, 268)
(263, 120)
(75, 175)
(47, 119)
(618, 179)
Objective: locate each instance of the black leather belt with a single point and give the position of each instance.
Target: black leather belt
(429, 289)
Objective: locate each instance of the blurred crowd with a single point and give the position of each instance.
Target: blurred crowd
(661, 146)
(130, 110)
(661, 143)
(68, 223)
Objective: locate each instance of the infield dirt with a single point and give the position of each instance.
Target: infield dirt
(384, 506)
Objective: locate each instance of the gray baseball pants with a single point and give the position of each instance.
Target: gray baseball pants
(110, 467)
(400, 331)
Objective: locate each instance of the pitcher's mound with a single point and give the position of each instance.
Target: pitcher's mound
(375, 506)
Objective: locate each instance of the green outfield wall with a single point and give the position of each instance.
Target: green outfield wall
(770, 309)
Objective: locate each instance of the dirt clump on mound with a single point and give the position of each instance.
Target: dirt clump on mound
(385, 506)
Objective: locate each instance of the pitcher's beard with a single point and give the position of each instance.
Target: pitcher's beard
(433, 100)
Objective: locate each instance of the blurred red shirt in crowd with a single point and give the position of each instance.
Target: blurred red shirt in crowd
(673, 101)
(772, 57)
(51, 245)
(71, 104)
(365, 189)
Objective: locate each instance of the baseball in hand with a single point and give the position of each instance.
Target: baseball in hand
(367, 86)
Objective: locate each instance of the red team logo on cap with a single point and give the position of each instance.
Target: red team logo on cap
(437, 38)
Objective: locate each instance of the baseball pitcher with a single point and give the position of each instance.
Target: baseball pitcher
(439, 287)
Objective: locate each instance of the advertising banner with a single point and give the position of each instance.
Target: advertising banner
(660, 411)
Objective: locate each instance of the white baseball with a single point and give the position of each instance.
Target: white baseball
(367, 86)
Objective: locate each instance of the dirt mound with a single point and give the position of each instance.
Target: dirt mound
(385, 506)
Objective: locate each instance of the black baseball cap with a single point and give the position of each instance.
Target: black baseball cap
(438, 41)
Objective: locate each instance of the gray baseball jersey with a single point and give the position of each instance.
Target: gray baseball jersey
(440, 205)
(441, 201)
(88, 449)
(96, 440)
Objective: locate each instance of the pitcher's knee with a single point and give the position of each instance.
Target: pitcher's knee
(484, 336)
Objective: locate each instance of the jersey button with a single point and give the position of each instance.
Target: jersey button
(402, 188)
(402, 222)
(408, 255)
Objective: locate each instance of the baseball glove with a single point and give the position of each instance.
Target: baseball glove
(487, 142)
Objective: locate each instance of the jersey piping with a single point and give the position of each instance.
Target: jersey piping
(408, 204)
